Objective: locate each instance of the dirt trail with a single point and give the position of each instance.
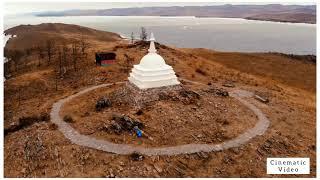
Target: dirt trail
(82, 140)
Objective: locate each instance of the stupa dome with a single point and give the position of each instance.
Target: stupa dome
(152, 61)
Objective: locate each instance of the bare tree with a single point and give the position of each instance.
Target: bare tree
(75, 54)
(40, 51)
(28, 51)
(84, 45)
(56, 81)
(143, 34)
(65, 52)
(132, 37)
(60, 61)
(50, 49)
(128, 62)
(6, 53)
(16, 56)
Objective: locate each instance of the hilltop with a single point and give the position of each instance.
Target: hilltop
(34, 35)
(34, 147)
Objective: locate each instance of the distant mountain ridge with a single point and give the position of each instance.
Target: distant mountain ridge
(270, 12)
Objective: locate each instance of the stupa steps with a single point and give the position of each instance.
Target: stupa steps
(153, 70)
(151, 79)
(162, 73)
(154, 83)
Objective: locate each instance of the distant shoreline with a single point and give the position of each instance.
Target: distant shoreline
(243, 18)
(268, 12)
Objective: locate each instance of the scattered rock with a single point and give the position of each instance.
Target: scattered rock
(148, 168)
(216, 91)
(261, 99)
(139, 112)
(203, 155)
(235, 150)
(124, 123)
(53, 126)
(228, 85)
(157, 168)
(221, 92)
(102, 103)
(136, 156)
(188, 96)
(227, 160)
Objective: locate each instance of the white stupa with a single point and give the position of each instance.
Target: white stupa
(152, 71)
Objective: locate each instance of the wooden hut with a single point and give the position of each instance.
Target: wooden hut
(105, 58)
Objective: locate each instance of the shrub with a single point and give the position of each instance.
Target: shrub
(200, 71)
(68, 119)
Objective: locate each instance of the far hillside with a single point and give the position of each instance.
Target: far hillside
(32, 35)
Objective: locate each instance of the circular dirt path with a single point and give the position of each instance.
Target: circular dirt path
(103, 145)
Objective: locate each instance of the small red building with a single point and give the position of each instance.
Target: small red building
(105, 58)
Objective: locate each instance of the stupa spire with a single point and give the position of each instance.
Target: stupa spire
(152, 48)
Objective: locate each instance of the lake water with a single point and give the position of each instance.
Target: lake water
(223, 34)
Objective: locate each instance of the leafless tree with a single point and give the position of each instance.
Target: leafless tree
(75, 54)
(132, 37)
(60, 61)
(56, 81)
(15, 56)
(143, 34)
(28, 51)
(84, 45)
(128, 62)
(40, 51)
(50, 49)
(65, 52)
(6, 53)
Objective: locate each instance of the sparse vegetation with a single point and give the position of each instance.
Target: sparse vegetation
(84, 46)
(132, 37)
(68, 119)
(50, 49)
(40, 51)
(24, 122)
(143, 34)
(128, 63)
(75, 54)
(200, 71)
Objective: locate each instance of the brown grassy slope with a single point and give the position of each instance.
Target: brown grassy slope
(32, 35)
(284, 70)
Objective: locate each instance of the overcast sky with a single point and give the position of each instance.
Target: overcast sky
(23, 7)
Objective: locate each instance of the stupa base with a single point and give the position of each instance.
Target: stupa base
(142, 84)
(132, 95)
